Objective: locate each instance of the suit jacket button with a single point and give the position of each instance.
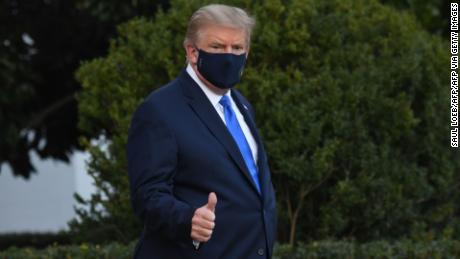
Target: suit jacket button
(260, 251)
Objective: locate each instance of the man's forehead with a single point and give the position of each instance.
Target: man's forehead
(222, 34)
(219, 39)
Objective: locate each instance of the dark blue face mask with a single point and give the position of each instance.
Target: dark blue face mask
(223, 70)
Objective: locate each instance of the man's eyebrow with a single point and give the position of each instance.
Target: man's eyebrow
(216, 42)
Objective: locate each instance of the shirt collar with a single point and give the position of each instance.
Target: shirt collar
(213, 97)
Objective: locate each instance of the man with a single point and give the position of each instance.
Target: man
(198, 171)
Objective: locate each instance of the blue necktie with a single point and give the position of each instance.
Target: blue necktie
(238, 135)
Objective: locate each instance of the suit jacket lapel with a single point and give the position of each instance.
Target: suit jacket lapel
(207, 114)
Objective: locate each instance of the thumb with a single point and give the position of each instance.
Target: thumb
(212, 201)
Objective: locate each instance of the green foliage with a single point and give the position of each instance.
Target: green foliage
(36, 240)
(351, 104)
(321, 249)
(376, 249)
(38, 109)
(115, 11)
(350, 99)
(83, 251)
(433, 15)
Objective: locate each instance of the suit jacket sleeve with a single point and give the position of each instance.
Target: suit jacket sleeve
(152, 163)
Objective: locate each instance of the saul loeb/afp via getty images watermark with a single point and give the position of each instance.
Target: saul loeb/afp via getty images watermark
(454, 75)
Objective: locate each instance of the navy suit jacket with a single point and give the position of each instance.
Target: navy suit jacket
(179, 150)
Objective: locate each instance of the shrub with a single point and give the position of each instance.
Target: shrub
(322, 249)
(83, 251)
(376, 249)
(36, 240)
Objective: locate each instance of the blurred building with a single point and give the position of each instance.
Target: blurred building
(43, 203)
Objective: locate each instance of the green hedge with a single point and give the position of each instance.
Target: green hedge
(323, 249)
(36, 240)
(83, 251)
(378, 249)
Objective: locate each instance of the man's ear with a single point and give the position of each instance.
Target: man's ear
(192, 53)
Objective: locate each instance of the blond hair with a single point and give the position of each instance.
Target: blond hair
(218, 14)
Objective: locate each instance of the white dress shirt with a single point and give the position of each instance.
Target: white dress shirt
(214, 99)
